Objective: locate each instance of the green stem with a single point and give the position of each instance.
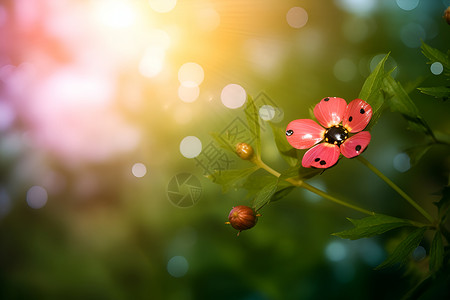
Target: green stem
(335, 200)
(301, 183)
(396, 188)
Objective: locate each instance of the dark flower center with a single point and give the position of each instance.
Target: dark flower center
(336, 135)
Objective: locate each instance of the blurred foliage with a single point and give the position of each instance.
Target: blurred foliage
(106, 234)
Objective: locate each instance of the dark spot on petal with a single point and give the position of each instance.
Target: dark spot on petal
(322, 162)
(326, 99)
(289, 132)
(350, 119)
(357, 148)
(317, 159)
(361, 111)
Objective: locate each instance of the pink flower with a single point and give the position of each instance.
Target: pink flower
(340, 120)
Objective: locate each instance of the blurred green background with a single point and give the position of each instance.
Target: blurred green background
(97, 96)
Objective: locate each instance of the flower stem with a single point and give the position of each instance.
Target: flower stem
(301, 183)
(396, 188)
(335, 200)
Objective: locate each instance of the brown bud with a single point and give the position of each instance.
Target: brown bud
(244, 151)
(242, 217)
(447, 15)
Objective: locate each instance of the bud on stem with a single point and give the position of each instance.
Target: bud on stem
(244, 151)
(242, 217)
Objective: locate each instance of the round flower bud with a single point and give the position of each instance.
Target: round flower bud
(242, 217)
(447, 15)
(244, 151)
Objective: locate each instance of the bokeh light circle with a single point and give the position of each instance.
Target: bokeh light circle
(37, 197)
(345, 70)
(436, 68)
(7, 115)
(233, 96)
(188, 94)
(191, 74)
(360, 7)
(190, 147)
(208, 19)
(419, 253)
(162, 6)
(336, 251)
(139, 170)
(297, 17)
(407, 4)
(177, 266)
(412, 35)
(267, 112)
(402, 162)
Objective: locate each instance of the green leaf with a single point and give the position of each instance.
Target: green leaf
(300, 173)
(288, 153)
(372, 225)
(399, 101)
(264, 196)
(404, 249)
(443, 204)
(417, 152)
(437, 91)
(434, 55)
(223, 143)
(256, 182)
(281, 193)
(436, 252)
(252, 115)
(372, 93)
(231, 178)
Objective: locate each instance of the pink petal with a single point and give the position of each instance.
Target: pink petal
(321, 156)
(330, 111)
(304, 133)
(357, 115)
(356, 144)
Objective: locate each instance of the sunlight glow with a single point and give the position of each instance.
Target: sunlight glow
(208, 19)
(182, 114)
(188, 94)
(116, 14)
(152, 62)
(191, 74)
(162, 6)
